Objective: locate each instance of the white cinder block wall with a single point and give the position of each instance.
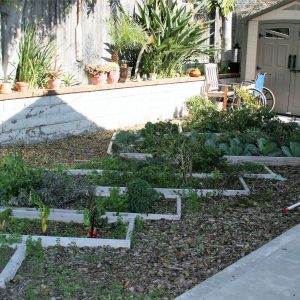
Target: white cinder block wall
(31, 120)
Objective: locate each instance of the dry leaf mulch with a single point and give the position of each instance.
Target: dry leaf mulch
(66, 151)
(167, 257)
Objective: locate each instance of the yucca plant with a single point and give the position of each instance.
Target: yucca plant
(36, 53)
(176, 36)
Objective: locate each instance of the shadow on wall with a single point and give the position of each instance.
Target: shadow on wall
(35, 120)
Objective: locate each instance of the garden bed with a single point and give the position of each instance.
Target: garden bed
(66, 233)
(210, 236)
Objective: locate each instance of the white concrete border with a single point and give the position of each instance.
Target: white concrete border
(268, 175)
(172, 193)
(266, 160)
(61, 215)
(110, 145)
(13, 265)
(105, 192)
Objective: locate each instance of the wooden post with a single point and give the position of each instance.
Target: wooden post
(78, 33)
(1, 66)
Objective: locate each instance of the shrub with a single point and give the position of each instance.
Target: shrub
(141, 196)
(154, 133)
(198, 106)
(16, 176)
(175, 35)
(116, 202)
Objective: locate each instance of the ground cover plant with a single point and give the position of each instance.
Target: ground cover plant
(209, 133)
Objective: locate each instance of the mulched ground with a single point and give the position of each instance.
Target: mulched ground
(168, 257)
(66, 152)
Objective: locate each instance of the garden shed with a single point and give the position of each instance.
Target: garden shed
(271, 44)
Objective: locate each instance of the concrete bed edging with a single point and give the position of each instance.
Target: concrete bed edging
(66, 216)
(105, 191)
(13, 265)
(173, 192)
(266, 160)
(268, 175)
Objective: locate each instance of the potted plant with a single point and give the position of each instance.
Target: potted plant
(125, 72)
(125, 34)
(193, 72)
(22, 86)
(97, 73)
(54, 80)
(114, 73)
(5, 86)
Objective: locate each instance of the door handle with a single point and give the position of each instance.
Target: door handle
(294, 61)
(289, 61)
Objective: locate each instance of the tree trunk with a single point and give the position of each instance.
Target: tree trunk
(11, 39)
(227, 37)
(218, 35)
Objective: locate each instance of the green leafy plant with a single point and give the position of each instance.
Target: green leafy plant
(70, 80)
(125, 33)
(154, 133)
(93, 214)
(15, 176)
(268, 148)
(37, 53)
(198, 106)
(175, 35)
(116, 202)
(293, 150)
(44, 210)
(4, 216)
(141, 196)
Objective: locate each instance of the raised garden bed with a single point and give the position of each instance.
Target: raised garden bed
(65, 216)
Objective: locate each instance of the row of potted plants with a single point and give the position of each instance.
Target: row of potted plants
(103, 73)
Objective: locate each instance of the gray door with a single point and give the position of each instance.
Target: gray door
(278, 54)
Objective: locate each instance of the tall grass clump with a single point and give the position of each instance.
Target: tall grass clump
(36, 53)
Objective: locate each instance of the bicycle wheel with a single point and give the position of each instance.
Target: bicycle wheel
(270, 98)
(257, 97)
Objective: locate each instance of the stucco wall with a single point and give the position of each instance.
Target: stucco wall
(45, 118)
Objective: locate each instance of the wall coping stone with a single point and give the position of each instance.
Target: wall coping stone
(104, 87)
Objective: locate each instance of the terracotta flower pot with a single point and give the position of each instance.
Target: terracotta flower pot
(99, 79)
(113, 77)
(5, 88)
(125, 74)
(195, 73)
(54, 83)
(22, 86)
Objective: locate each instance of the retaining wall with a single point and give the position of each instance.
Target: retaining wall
(59, 113)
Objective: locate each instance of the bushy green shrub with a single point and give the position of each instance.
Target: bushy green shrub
(198, 106)
(241, 120)
(116, 202)
(16, 176)
(154, 133)
(175, 35)
(141, 196)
